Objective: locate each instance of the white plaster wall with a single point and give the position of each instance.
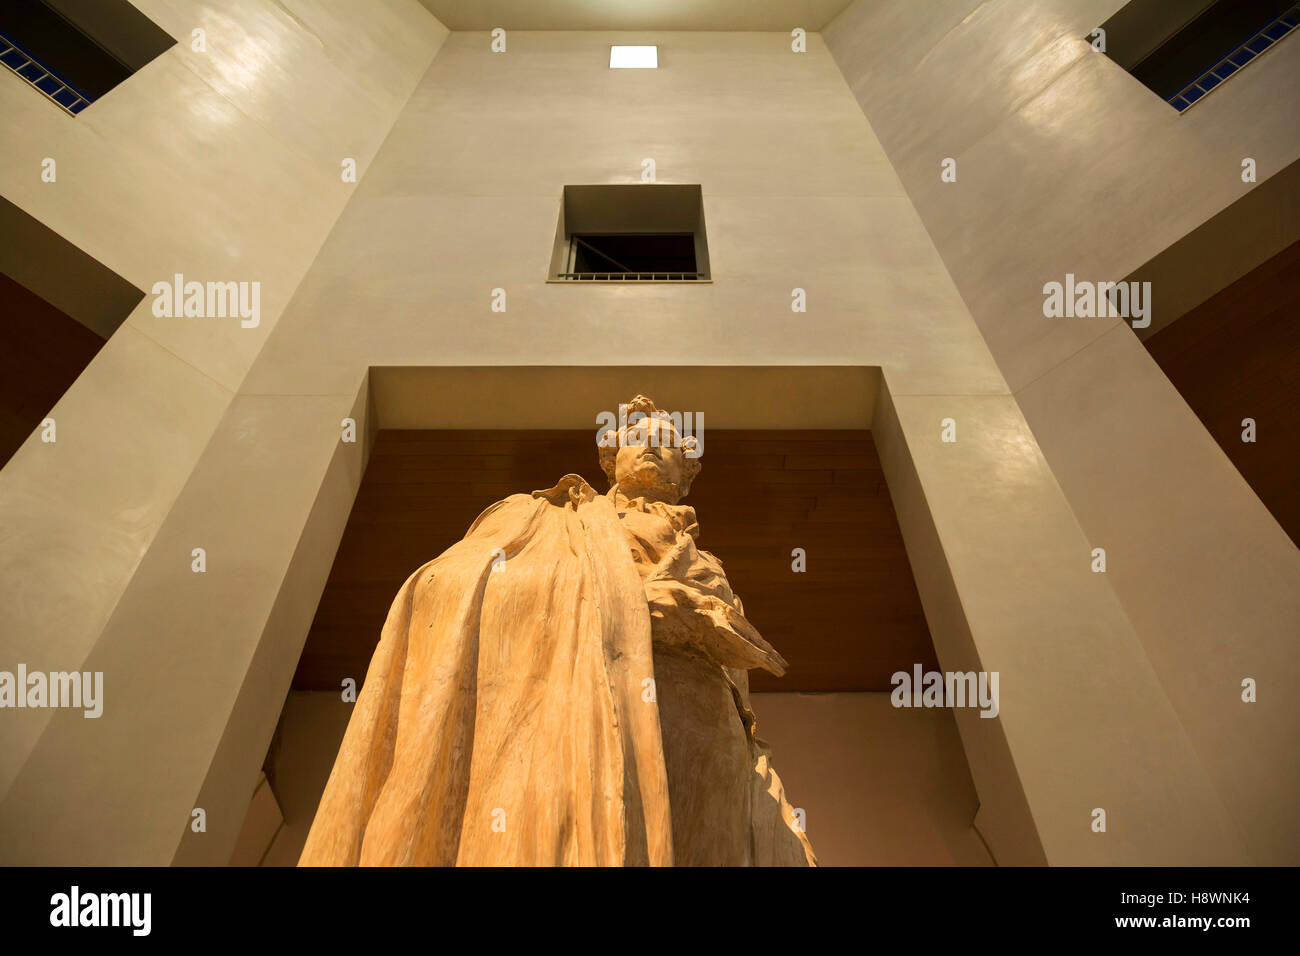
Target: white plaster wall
(466, 195)
(462, 199)
(1065, 163)
(221, 165)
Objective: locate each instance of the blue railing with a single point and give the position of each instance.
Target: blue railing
(1237, 59)
(42, 78)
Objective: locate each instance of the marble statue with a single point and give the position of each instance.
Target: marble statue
(566, 685)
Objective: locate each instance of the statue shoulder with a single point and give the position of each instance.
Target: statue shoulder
(504, 509)
(569, 490)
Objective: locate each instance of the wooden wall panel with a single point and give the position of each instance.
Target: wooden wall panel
(846, 624)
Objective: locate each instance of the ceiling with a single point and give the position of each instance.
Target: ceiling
(726, 15)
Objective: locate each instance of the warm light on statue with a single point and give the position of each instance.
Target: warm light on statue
(583, 701)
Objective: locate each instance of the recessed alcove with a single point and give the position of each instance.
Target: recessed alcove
(845, 624)
(1233, 358)
(1225, 334)
(58, 306)
(789, 462)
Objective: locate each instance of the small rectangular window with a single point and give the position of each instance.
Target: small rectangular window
(636, 233)
(1182, 51)
(75, 51)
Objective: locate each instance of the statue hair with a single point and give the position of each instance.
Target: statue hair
(609, 452)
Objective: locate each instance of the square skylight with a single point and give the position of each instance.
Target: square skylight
(634, 58)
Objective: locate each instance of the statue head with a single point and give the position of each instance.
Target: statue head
(647, 458)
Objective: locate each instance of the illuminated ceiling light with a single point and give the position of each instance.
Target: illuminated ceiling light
(634, 58)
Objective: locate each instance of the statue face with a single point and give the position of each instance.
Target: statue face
(652, 463)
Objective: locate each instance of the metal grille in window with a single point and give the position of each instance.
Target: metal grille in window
(1237, 59)
(49, 83)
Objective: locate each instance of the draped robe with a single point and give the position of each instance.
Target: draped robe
(566, 685)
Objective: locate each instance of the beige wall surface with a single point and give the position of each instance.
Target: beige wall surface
(879, 785)
(221, 165)
(465, 197)
(1066, 164)
(462, 199)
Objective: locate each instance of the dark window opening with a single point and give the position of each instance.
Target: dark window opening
(75, 51)
(1181, 51)
(629, 254)
(631, 233)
